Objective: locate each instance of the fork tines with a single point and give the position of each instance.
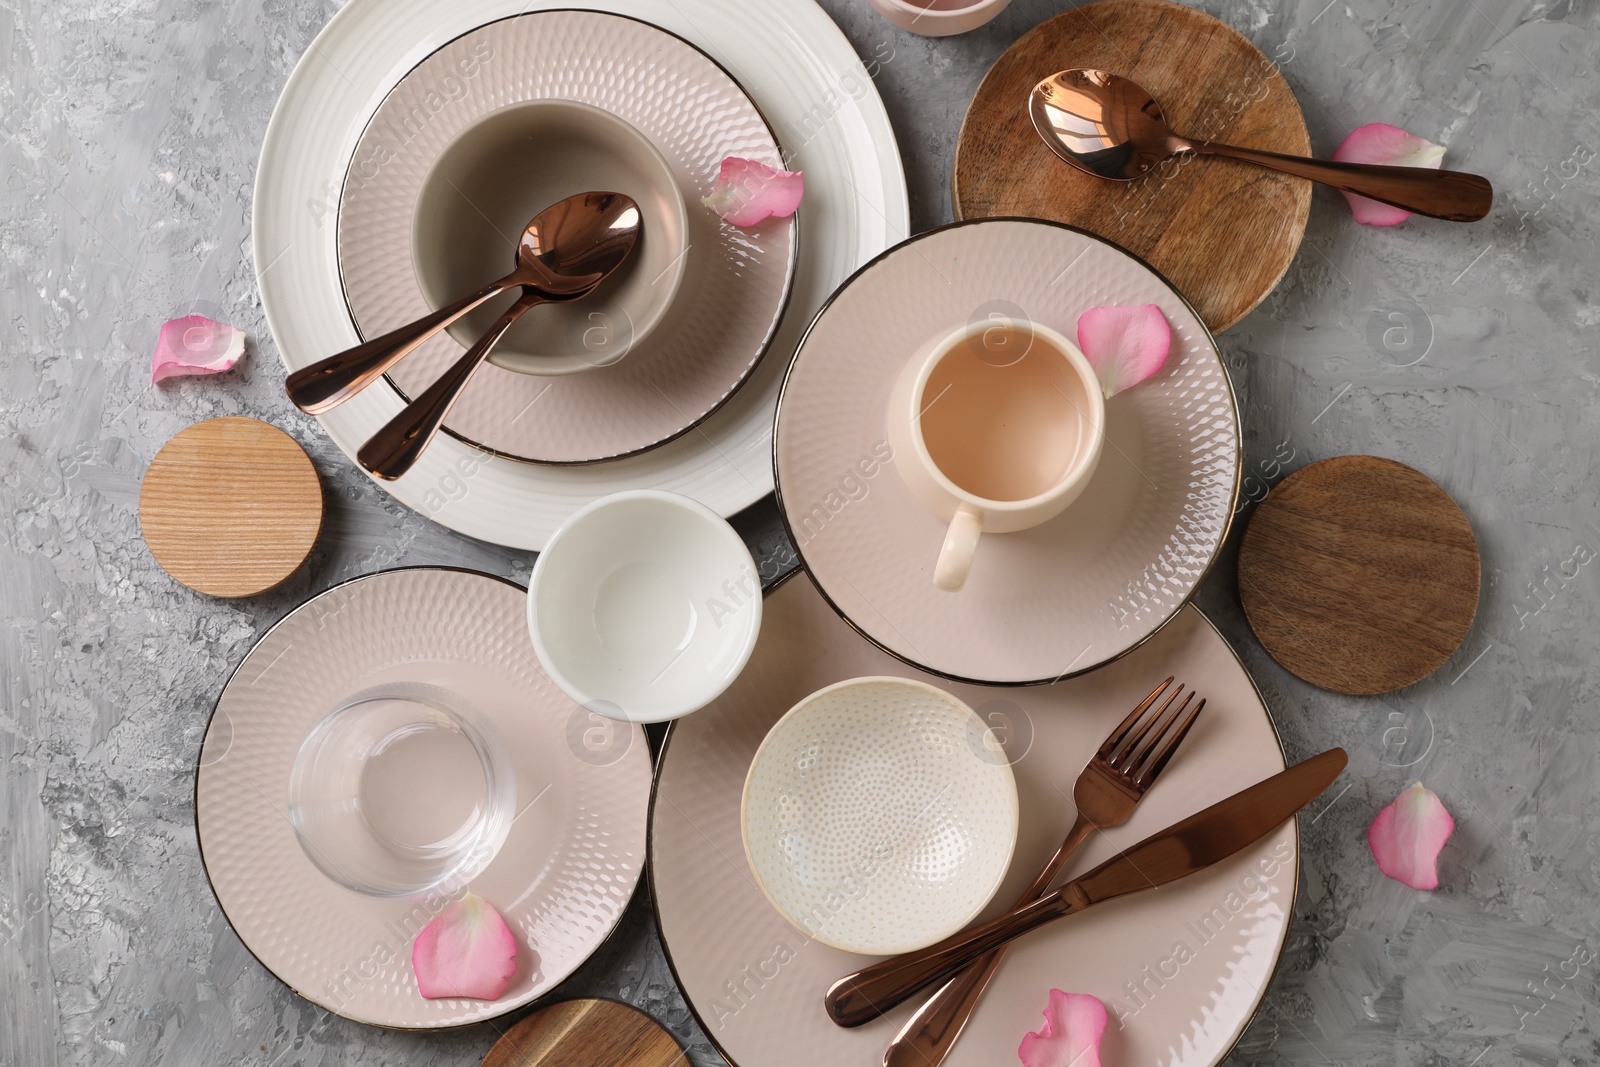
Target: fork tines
(1142, 745)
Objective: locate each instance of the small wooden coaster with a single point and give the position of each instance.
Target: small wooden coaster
(231, 507)
(586, 1033)
(1223, 232)
(1359, 575)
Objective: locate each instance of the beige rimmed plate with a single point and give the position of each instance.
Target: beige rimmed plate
(566, 871)
(1182, 969)
(1040, 604)
(735, 284)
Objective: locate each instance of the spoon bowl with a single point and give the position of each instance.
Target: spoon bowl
(1111, 127)
(1101, 123)
(572, 245)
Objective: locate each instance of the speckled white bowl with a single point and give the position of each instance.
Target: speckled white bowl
(879, 815)
(939, 18)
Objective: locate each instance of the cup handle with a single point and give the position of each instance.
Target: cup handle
(960, 544)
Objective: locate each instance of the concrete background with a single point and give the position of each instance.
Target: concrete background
(129, 131)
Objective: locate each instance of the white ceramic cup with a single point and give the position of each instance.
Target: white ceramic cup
(995, 427)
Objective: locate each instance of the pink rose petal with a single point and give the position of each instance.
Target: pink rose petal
(1073, 1023)
(195, 345)
(1378, 142)
(468, 951)
(747, 192)
(1125, 345)
(1407, 835)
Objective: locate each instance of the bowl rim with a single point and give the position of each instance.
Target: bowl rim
(735, 549)
(1004, 868)
(942, 17)
(972, 5)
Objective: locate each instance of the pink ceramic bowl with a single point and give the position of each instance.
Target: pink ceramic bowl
(939, 18)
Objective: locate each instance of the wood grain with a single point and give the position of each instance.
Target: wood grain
(1359, 575)
(586, 1033)
(1223, 232)
(231, 507)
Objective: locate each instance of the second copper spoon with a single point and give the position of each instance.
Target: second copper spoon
(1111, 127)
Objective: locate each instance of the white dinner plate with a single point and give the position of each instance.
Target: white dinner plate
(796, 65)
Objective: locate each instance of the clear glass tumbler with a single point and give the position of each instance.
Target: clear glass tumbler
(402, 791)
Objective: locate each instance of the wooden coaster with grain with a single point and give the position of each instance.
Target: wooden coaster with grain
(586, 1033)
(1223, 232)
(231, 507)
(1359, 575)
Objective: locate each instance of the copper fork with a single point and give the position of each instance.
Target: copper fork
(1108, 790)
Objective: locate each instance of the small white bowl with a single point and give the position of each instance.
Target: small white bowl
(644, 606)
(879, 815)
(939, 18)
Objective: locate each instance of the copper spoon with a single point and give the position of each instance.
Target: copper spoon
(1111, 127)
(557, 237)
(579, 242)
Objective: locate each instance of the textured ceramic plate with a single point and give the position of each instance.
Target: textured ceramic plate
(1184, 966)
(793, 61)
(736, 280)
(879, 815)
(563, 876)
(1040, 604)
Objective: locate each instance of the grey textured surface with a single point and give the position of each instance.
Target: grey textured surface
(129, 131)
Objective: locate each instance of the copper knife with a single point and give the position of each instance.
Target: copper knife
(1204, 838)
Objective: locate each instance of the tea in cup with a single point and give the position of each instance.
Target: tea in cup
(996, 427)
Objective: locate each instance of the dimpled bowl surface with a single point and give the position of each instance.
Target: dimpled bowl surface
(879, 815)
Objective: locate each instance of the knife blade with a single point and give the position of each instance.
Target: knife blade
(1184, 848)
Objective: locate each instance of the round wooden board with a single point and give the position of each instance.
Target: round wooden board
(231, 507)
(1359, 575)
(586, 1033)
(1223, 232)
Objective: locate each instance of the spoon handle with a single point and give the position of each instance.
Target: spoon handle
(330, 382)
(393, 449)
(1440, 194)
